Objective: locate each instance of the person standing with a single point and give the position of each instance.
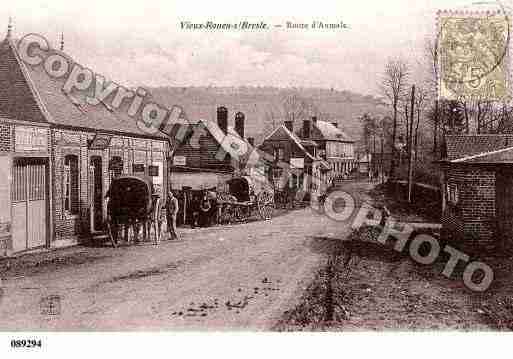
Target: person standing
(171, 213)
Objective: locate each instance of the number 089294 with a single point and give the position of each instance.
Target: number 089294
(26, 343)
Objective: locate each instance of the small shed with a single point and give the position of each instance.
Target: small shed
(477, 189)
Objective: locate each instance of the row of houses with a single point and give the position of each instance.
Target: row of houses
(58, 154)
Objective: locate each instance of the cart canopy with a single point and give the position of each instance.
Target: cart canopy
(130, 195)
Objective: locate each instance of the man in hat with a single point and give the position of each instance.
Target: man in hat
(171, 213)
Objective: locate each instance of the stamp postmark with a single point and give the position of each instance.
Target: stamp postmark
(473, 55)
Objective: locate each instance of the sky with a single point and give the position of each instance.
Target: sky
(141, 43)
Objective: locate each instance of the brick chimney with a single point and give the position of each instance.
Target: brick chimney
(335, 124)
(222, 118)
(239, 124)
(306, 128)
(251, 141)
(289, 125)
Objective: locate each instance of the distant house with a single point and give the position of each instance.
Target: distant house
(477, 189)
(333, 144)
(308, 171)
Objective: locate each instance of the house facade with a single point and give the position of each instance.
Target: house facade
(333, 145)
(477, 190)
(307, 171)
(60, 154)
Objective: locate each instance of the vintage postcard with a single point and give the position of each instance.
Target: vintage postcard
(196, 167)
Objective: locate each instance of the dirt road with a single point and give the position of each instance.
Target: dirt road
(230, 277)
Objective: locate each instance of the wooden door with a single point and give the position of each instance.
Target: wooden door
(29, 204)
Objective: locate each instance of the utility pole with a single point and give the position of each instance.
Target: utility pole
(410, 146)
(382, 169)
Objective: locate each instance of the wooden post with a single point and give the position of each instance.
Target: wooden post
(410, 147)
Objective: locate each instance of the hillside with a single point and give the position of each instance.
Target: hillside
(264, 105)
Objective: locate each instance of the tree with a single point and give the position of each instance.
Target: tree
(393, 85)
(369, 130)
(296, 107)
(452, 117)
(420, 104)
(431, 54)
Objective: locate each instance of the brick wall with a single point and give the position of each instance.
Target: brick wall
(473, 217)
(5, 137)
(67, 142)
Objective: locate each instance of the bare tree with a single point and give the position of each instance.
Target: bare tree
(431, 54)
(420, 104)
(296, 107)
(393, 85)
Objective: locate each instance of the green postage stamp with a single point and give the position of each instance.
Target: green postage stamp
(473, 55)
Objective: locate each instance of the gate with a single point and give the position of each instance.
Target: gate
(29, 204)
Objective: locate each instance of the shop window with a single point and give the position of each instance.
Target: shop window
(70, 179)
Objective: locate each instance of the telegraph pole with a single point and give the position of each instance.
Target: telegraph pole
(410, 147)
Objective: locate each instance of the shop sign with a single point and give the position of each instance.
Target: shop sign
(30, 139)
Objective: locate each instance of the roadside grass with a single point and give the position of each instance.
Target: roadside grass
(363, 283)
(422, 210)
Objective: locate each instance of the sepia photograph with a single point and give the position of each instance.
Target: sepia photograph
(317, 171)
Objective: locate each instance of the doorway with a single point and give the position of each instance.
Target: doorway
(96, 193)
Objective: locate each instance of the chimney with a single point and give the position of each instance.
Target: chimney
(251, 141)
(239, 124)
(289, 125)
(335, 124)
(222, 118)
(306, 128)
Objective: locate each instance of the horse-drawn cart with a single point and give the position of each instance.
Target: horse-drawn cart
(245, 197)
(132, 204)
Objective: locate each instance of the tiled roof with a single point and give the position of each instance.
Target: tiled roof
(497, 157)
(462, 146)
(17, 99)
(72, 109)
(330, 132)
(294, 138)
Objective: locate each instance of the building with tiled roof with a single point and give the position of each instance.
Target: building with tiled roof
(62, 151)
(477, 189)
(333, 144)
(308, 171)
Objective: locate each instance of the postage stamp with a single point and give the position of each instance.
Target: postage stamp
(473, 55)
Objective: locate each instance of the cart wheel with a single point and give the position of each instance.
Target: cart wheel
(265, 203)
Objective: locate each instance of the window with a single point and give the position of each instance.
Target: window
(281, 154)
(116, 166)
(70, 179)
(452, 194)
